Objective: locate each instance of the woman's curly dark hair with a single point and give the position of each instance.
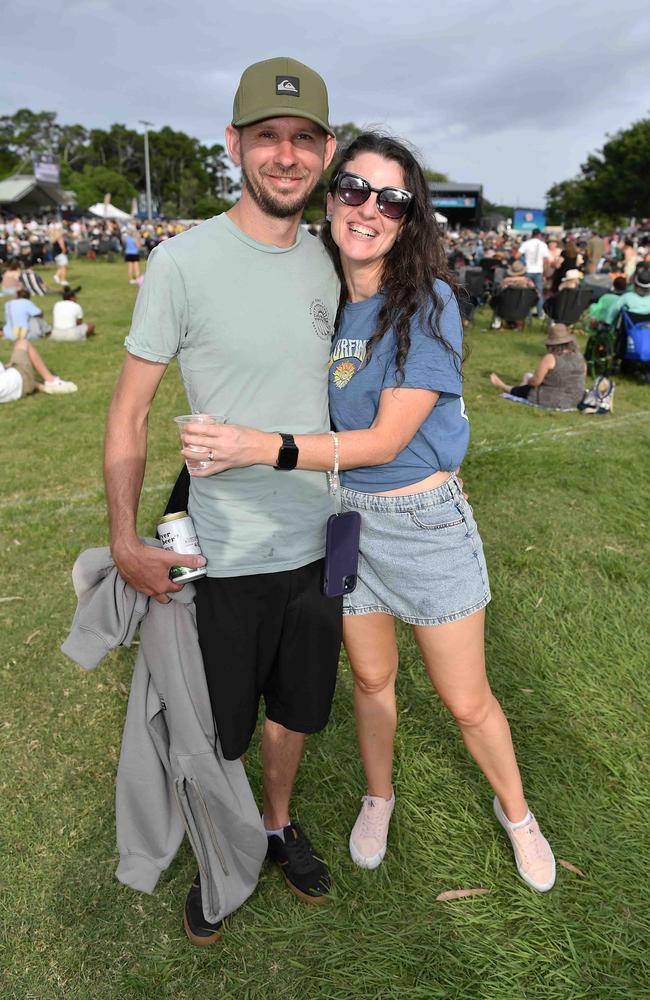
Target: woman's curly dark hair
(414, 261)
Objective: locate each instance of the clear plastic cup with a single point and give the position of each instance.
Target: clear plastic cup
(195, 464)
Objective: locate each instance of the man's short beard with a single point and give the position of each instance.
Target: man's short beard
(269, 205)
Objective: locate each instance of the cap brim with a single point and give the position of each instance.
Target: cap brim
(281, 112)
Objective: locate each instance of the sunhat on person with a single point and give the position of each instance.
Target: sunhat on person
(516, 269)
(572, 275)
(560, 334)
(642, 277)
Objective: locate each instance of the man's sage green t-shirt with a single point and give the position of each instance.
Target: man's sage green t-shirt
(251, 326)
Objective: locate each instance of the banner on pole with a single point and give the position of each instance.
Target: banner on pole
(46, 168)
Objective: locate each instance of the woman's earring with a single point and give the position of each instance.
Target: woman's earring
(328, 217)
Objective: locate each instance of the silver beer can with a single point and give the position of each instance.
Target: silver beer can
(177, 532)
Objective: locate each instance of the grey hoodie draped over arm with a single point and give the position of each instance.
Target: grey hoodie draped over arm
(172, 778)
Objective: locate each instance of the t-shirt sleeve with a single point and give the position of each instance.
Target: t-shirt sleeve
(429, 363)
(160, 316)
(32, 309)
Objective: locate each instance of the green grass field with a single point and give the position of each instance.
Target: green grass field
(563, 503)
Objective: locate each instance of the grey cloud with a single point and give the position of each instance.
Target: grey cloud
(474, 82)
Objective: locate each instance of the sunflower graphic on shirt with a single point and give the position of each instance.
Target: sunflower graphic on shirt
(343, 373)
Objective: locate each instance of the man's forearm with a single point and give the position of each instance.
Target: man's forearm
(125, 457)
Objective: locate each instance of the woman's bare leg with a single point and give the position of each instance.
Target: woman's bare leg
(499, 383)
(372, 650)
(455, 660)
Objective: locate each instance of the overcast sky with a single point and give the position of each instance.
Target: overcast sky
(510, 95)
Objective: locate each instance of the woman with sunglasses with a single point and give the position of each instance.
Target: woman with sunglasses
(396, 402)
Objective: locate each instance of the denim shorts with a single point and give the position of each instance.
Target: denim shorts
(420, 557)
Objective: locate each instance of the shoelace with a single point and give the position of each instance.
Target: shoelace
(532, 846)
(371, 820)
(301, 851)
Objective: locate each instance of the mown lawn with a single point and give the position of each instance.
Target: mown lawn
(563, 502)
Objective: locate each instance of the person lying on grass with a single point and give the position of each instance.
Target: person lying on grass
(18, 378)
(558, 380)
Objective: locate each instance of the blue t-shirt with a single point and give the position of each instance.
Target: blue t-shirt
(355, 388)
(18, 312)
(130, 245)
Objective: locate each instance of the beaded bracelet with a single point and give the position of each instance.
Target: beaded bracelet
(333, 476)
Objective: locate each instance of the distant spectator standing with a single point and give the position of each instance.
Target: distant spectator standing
(131, 244)
(534, 252)
(595, 252)
(67, 318)
(60, 251)
(569, 262)
(630, 259)
(552, 262)
(23, 315)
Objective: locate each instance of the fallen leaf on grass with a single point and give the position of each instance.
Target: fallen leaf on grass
(571, 868)
(527, 690)
(3, 599)
(539, 601)
(460, 894)
(529, 548)
(32, 635)
(613, 548)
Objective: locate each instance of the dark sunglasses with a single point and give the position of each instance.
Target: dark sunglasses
(353, 190)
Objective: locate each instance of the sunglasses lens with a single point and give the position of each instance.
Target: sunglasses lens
(353, 190)
(393, 203)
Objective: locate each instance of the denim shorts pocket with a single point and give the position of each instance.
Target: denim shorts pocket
(441, 517)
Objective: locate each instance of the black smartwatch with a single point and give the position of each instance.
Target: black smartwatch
(288, 453)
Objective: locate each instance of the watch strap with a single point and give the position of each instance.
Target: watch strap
(288, 454)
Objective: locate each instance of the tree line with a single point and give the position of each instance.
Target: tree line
(613, 184)
(189, 179)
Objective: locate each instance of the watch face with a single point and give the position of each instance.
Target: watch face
(288, 456)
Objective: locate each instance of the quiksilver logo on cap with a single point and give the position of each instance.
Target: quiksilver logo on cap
(287, 85)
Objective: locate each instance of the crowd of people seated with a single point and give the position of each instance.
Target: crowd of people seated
(598, 266)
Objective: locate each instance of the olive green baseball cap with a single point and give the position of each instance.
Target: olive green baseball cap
(281, 88)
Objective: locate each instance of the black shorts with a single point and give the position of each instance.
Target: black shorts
(271, 635)
(131, 258)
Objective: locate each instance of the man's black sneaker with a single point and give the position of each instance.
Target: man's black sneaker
(304, 873)
(197, 928)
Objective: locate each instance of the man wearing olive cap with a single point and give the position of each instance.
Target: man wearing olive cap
(246, 303)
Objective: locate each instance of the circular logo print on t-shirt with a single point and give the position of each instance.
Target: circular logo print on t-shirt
(342, 374)
(320, 319)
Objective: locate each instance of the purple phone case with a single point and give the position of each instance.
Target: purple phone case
(341, 553)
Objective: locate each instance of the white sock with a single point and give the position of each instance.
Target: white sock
(522, 822)
(273, 833)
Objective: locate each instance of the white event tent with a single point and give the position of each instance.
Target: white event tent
(108, 211)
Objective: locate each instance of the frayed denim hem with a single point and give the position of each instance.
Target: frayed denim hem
(420, 621)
